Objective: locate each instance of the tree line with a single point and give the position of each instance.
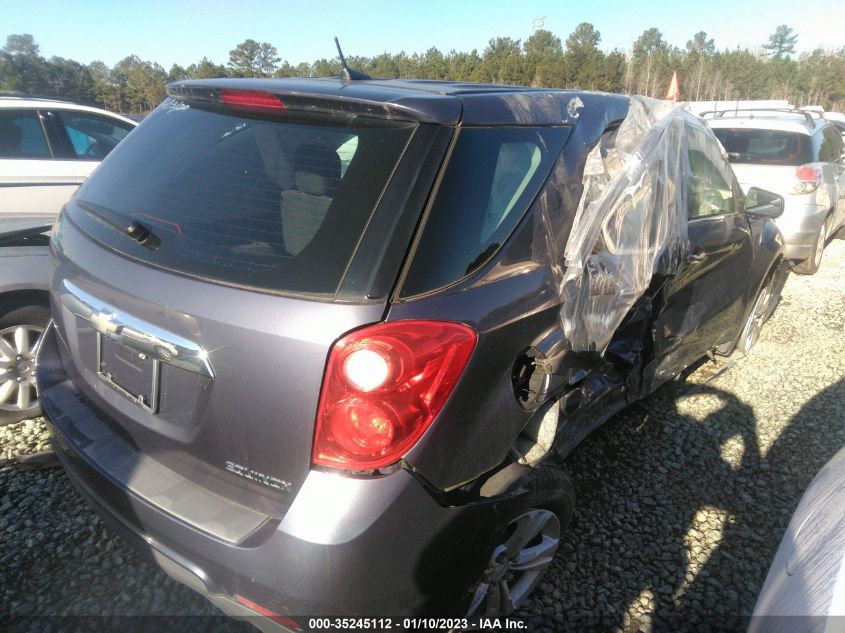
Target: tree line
(136, 86)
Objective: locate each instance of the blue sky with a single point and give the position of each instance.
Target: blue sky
(184, 31)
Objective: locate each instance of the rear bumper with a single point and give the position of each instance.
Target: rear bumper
(347, 546)
(172, 564)
(800, 225)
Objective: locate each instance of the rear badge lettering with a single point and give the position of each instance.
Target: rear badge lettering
(254, 475)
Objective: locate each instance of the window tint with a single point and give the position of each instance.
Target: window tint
(709, 190)
(831, 145)
(765, 147)
(242, 200)
(91, 136)
(492, 176)
(21, 135)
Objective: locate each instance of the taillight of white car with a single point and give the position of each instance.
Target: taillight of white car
(807, 178)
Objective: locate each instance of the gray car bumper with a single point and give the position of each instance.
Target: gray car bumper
(800, 225)
(346, 546)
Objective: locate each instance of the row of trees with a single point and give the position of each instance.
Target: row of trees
(134, 85)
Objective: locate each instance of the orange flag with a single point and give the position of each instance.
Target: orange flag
(673, 94)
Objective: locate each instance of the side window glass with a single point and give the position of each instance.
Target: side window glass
(831, 147)
(492, 176)
(21, 135)
(516, 164)
(91, 136)
(709, 191)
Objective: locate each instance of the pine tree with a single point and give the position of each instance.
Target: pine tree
(781, 42)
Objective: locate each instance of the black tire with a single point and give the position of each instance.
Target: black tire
(550, 492)
(34, 317)
(810, 266)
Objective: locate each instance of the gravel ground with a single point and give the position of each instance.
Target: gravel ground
(682, 501)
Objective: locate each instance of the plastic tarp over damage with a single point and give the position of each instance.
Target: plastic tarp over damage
(631, 222)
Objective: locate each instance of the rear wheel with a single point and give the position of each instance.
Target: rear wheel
(527, 547)
(758, 315)
(20, 336)
(811, 265)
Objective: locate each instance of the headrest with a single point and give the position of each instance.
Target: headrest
(736, 144)
(318, 159)
(315, 184)
(10, 136)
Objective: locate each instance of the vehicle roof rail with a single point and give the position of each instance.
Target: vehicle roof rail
(10, 94)
(807, 114)
(23, 95)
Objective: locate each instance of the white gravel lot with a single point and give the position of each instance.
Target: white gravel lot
(682, 501)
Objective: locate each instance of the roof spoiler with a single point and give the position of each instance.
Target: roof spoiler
(253, 97)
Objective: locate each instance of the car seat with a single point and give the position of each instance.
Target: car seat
(736, 145)
(10, 139)
(316, 178)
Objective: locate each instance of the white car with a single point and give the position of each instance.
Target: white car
(24, 310)
(805, 588)
(48, 147)
(799, 155)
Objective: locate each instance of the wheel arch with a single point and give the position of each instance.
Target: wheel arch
(14, 299)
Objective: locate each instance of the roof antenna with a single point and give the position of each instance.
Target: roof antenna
(345, 71)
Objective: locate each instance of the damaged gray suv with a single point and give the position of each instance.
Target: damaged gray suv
(321, 346)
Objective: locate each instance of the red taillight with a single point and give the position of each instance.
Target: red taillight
(384, 386)
(268, 614)
(251, 99)
(807, 178)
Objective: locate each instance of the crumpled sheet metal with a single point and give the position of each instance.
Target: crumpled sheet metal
(631, 222)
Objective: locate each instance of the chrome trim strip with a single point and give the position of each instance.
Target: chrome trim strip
(135, 333)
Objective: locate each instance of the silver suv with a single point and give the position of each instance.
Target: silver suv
(799, 155)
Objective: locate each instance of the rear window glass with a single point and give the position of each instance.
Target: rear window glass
(273, 204)
(492, 176)
(765, 147)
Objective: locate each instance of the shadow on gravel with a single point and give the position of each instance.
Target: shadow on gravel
(681, 535)
(762, 494)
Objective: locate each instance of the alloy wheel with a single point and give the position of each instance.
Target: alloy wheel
(18, 347)
(517, 564)
(757, 318)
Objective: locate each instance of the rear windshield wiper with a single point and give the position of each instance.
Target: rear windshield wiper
(132, 228)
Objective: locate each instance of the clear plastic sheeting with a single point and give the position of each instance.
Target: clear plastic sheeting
(631, 222)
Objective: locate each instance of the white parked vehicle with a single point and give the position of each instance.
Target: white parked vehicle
(805, 588)
(24, 310)
(799, 155)
(48, 147)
